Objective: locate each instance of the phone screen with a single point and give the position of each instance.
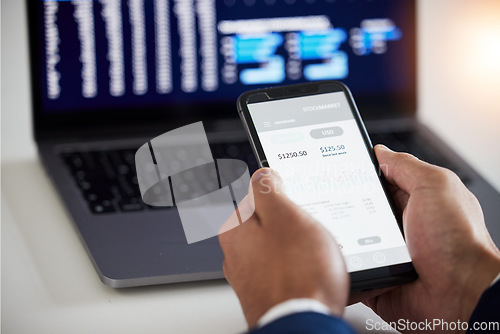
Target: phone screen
(316, 145)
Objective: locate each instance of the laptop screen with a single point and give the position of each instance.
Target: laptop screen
(104, 57)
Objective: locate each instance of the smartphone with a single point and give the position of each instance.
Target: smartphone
(313, 136)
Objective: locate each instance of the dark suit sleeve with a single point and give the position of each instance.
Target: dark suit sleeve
(306, 322)
(487, 311)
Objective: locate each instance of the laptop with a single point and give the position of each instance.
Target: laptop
(109, 75)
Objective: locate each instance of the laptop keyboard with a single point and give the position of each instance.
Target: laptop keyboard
(108, 182)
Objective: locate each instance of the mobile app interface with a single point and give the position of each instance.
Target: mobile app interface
(317, 148)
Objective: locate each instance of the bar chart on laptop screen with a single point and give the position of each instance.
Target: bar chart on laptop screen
(109, 53)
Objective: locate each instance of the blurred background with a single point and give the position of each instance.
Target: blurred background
(458, 98)
(458, 79)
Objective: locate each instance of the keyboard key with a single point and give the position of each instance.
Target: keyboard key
(128, 156)
(105, 206)
(132, 204)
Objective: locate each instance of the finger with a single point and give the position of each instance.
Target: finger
(232, 222)
(242, 213)
(267, 190)
(371, 303)
(402, 169)
(226, 271)
(228, 234)
(367, 295)
(400, 196)
(246, 207)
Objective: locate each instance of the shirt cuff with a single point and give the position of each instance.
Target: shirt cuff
(291, 306)
(496, 279)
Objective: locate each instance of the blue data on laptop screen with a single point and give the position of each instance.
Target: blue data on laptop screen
(112, 53)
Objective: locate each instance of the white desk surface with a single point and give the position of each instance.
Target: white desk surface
(50, 286)
(48, 282)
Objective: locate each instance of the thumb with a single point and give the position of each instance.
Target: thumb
(402, 169)
(267, 188)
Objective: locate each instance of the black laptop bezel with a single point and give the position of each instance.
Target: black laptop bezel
(128, 121)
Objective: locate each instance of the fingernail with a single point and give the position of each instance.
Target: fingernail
(382, 147)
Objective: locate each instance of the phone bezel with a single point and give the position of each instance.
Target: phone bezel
(360, 280)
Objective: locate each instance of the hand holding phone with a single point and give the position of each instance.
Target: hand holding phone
(264, 252)
(312, 134)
